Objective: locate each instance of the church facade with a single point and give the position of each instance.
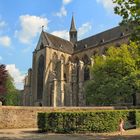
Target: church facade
(60, 67)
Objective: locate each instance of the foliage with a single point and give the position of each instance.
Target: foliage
(3, 76)
(8, 92)
(43, 121)
(138, 118)
(115, 76)
(95, 121)
(11, 92)
(130, 12)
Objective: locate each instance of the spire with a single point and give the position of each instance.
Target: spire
(42, 27)
(73, 31)
(72, 28)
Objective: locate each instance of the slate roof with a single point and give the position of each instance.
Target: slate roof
(59, 43)
(103, 37)
(93, 41)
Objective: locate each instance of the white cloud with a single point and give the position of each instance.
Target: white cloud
(62, 12)
(27, 49)
(86, 27)
(30, 27)
(107, 4)
(1, 58)
(2, 24)
(63, 34)
(66, 1)
(5, 41)
(16, 75)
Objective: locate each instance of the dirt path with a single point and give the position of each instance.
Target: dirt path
(32, 134)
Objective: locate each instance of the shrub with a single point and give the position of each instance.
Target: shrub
(137, 118)
(43, 122)
(95, 121)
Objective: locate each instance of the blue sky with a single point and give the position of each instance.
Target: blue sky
(21, 21)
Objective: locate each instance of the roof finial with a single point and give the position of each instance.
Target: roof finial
(42, 27)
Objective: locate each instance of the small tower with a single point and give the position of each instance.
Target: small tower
(73, 32)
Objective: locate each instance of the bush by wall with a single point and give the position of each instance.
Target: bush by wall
(95, 121)
(137, 118)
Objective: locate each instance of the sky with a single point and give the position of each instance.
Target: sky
(21, 23)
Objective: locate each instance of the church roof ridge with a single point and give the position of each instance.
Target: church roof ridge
(113, 28)
(102, 37)
(47, 39)
(91, 41)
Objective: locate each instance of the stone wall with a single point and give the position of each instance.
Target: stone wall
(26, 117)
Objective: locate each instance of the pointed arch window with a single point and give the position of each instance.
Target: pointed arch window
(86, 73)
(87, 63)
(76, 60)
(40, 74)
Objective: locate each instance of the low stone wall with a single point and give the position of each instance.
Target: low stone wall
(26, 117)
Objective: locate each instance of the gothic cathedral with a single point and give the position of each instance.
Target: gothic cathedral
(60, 67)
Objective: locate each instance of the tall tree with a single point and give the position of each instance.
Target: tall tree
(3, 78)
(115, 76)
(12, 95)
(129, 10)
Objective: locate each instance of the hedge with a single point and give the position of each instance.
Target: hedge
(95, 121)
(138, 118)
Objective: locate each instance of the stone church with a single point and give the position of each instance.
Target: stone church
(60, 67)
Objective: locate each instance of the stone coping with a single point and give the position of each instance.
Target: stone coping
(71, 108)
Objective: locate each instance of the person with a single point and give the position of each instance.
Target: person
(121, 126)
(40, 104)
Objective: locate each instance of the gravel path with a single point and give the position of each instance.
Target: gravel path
(32, 134)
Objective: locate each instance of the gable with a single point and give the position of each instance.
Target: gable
(43, 42)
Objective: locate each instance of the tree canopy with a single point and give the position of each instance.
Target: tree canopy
(116, 76)
(12, 95)
(129, 10)
(8, 92)
(3, 77)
